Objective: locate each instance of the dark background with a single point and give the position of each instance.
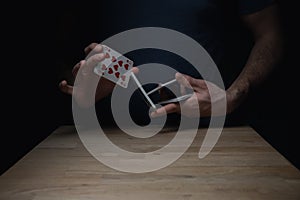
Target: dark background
(41, 43)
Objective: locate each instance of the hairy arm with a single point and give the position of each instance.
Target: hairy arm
(264, 56)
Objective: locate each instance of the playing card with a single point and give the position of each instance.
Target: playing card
(177, 99)
(169, 92)
(115, 67)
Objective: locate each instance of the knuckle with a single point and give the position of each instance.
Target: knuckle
(93, 44)
(173, 108)
(98, 48)
(96, 58)
(90, 47)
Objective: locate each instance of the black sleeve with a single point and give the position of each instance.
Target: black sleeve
(251, 6)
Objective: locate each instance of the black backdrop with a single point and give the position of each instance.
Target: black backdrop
(42, 41)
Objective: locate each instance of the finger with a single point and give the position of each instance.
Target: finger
(184, 83)
(169, 108)
(96, 50)
(189, 82)
(65, 88)
(90, 47)
(89, 65)
(135, 70)
(77, 67)
(182, 89)
(185, 80)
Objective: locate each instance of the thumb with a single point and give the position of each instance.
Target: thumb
(188, 81)
(135, 70)
(91, 62)
(64, 87)
(185, 80)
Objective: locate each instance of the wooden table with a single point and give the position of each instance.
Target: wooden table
(241, 166)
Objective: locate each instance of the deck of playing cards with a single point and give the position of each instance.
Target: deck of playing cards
(115, 67)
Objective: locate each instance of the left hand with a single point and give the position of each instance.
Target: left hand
(199, 102)
(86, 78)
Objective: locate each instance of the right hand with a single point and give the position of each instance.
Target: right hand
(86, 78)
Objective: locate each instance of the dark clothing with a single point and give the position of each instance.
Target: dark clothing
(215, 24)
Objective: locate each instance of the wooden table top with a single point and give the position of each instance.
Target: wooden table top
(241, 166)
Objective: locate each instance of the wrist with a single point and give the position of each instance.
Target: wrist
(235, 96)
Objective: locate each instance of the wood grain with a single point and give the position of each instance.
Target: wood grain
(241, 166)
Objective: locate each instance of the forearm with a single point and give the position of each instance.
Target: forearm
(265, 55)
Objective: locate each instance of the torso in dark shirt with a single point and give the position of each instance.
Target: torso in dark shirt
(215, 24)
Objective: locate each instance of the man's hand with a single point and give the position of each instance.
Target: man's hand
(265, 55)
(86, 78)
(205, 93)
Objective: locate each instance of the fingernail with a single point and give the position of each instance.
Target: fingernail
(101, 55)
(153, 115)
(81, 63)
